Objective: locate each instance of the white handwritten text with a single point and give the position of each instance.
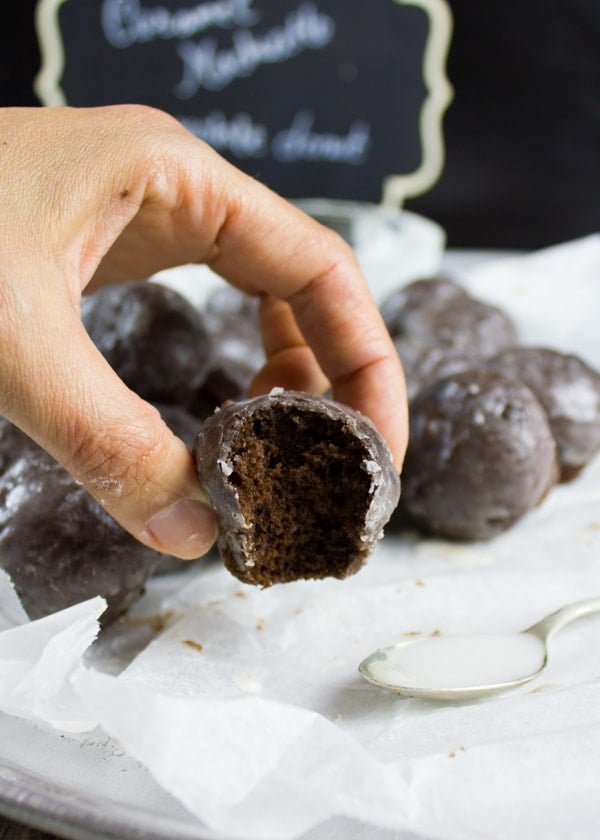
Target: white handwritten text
(126, 22)
(300, 142)
(207, 67)
(238, 135)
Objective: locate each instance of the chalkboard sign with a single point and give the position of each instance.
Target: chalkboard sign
(331, 98)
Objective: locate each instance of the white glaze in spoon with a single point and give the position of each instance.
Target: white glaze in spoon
(467, 667)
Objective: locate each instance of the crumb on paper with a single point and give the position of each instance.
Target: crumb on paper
(239, 594)
(419, 582)
(157, 623)
(260, 624)
(191, 643)
(436, 633)
(412, 633)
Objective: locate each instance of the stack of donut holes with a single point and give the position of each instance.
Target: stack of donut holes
(494, 425)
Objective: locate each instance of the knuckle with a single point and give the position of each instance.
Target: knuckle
(146, 129)
(139, 113)
(153, 119)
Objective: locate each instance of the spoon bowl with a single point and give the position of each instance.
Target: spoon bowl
(469, 667)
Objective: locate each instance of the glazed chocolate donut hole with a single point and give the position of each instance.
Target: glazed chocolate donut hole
(438, 330)
(154, 339)
(481, 454)
(302, 486)
(569, 390)
(59, 546)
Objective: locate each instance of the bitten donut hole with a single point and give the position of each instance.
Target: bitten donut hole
(303, 484)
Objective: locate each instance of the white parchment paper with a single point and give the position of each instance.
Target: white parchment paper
(247, 707)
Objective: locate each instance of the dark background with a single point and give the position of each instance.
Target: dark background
(522, 135)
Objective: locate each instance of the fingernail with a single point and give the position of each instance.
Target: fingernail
(186, 529)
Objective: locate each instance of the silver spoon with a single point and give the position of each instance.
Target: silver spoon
(467, 667)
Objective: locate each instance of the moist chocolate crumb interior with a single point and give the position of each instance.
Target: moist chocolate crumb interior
(304, 486)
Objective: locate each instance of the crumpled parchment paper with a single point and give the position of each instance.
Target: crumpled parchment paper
(247, 706)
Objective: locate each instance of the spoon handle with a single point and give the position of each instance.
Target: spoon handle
(559, 619)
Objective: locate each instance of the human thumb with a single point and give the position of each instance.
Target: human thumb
(64, 394)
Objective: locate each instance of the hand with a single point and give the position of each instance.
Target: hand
(100, 195)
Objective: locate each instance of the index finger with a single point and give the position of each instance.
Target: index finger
(266, 244)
